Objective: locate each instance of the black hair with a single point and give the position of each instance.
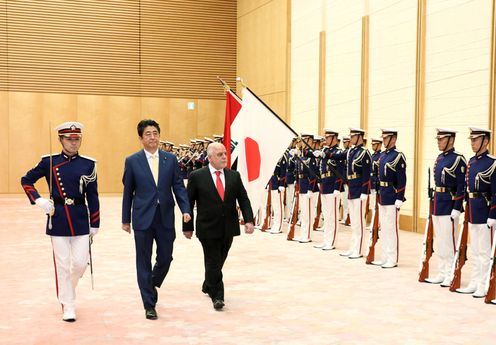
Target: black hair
(145, 123)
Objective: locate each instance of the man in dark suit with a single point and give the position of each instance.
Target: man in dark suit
(150, 177)
(215, 190)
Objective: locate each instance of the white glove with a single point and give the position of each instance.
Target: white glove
(317, 153)
(93, 231)
(398, 204)
(363, 197)
(491, 222)
(336, 193)
(455, 214)
(46, 205)
(292, 152)
(281, 189)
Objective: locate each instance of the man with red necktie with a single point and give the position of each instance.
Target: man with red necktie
(215, 189)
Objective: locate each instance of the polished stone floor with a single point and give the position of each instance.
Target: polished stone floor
(277, 292)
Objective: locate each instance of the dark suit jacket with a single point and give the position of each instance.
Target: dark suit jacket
(216, 218)
(141, 193)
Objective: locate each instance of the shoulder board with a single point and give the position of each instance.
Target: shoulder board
(53, 155)
(457, 153)
(492, 157)
(88, 158)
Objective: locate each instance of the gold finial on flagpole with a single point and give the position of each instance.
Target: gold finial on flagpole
(240, 80)
(224, 84)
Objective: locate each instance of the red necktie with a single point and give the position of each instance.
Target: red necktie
(219, 185)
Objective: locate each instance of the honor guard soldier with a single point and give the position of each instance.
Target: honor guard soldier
(480, 180)
(309, 188)
(290, 178)
(329, 188)
(358, 168)
(72, 182)
(276, 189)
(344, 183)
(449, 177)
(392, 184)
(374, 180)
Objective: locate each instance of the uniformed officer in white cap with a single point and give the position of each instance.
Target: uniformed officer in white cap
(359, 164)
(449, 177)
(73, 210)
(344, 183)
(481, 190)
(392, 184)
(374, 180)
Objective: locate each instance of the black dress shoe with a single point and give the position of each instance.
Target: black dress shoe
(151, 314)
(218, 304)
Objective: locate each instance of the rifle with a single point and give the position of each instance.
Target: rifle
(293, 217)
(374, 233)
(427, 248)
(318, 213)
(266, 221)
(491, 276)
(460, 256)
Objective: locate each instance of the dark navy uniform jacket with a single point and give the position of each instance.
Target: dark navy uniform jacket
(328, 178)
(481, 188)
(291, 170)
(341, 167)
(359, 164)
(374, 180)
(279, 176)
(449, 177)
(308, 172)
(73, 181)
(392, 177)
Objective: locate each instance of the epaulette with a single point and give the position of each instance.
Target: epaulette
(88, 158)
(48, 155)
(457, 153)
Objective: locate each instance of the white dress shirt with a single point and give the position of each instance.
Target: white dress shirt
(214, 176)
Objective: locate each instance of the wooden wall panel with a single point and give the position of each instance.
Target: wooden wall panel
(119, 47)
(263, 46)
(188, 120)
(4, 140)
(109, 133)
(246, 6)
(29, 135)
(210, 119)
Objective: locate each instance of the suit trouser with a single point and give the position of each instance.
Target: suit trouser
(330, 213)
(446, 232)
(290, 190)
(357, 219)
(388, 218)
(70, 254)
(214, 255)
(480, 245)
(276, 201)
(143, 239)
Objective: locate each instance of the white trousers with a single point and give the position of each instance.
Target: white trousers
(446, 233)
(357, 219)
(276, 203)
(308, 202)
(330, 214)
(480, 246)
(344, 202)
(372, 199)
(71, 255)
(290, 189)
(389, 219)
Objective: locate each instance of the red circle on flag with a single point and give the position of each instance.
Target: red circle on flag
(253, 160)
